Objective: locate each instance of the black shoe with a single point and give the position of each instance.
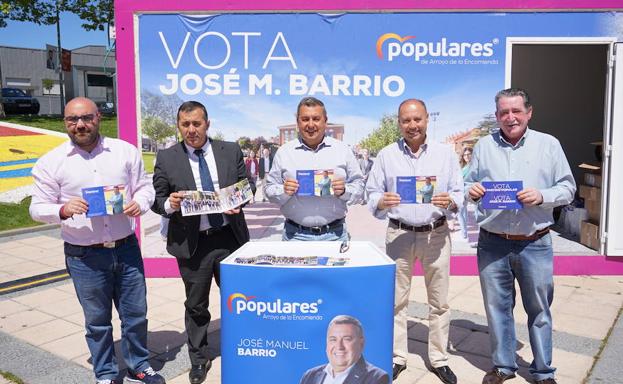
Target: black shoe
(444, 374)
(396, 369)
(198, 373)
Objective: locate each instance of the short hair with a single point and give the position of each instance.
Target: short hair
(189, 106)
(512, 92)
(310, 102)
(407, 101)
(345, 319)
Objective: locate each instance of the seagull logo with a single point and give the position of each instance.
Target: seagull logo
(235, 296)
(387, 36)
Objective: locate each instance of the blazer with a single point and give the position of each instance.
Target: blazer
(262, 161)
(362, 373)
(172, 173)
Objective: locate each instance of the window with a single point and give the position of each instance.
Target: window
(99, 80)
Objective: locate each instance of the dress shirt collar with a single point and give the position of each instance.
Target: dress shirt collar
(404, 147)
(191, 150)
(73, 149)
(306, 147)
(329, 371)
(520, 143)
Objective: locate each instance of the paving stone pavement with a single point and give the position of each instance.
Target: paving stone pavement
(42, 337)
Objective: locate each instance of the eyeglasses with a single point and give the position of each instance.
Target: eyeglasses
(73, 120)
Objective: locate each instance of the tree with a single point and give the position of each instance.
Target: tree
(95, 14)
(488, 124)
(157, 130)
(162, 107)
(257, 142)
(48, 84)
(385, 134)
(244, 142)
(217, 135)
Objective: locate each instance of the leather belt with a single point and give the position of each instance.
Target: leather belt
(535, 236)
(213, 230)
(110, 244)
(320, 229)
(419, 228)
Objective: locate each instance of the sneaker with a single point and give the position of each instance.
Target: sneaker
(105, 381)
(148, 376)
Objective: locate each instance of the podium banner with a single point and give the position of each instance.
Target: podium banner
(275, 319)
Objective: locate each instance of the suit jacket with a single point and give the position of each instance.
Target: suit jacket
(261, 162)
(172, 173)
(366, 166)
(362, 373)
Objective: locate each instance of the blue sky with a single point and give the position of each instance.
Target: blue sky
(29, 35)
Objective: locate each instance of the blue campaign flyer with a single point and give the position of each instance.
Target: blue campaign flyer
(405, 187)
(96, 200)
(305, 179)
(501, 194)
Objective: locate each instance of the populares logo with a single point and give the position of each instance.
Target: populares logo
(402, 46)
(239, 303)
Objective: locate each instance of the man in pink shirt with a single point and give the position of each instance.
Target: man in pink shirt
(101, 252)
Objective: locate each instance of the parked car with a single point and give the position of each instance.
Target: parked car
(15, 100)
(106, 108)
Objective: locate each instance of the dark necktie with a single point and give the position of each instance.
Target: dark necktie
(215, 219)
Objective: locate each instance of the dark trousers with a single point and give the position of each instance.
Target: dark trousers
(197, 275)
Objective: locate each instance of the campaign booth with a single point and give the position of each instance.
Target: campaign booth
(278, 298)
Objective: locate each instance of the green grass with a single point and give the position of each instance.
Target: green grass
(108, 125)
(11, 377)
(14, 216)
(148, 161)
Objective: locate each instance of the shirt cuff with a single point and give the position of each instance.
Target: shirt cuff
(167, 207)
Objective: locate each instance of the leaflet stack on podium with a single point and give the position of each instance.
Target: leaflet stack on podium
(277, 299)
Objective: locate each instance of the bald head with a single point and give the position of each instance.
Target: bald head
(412, 102)
(82, 121)
(81, 102)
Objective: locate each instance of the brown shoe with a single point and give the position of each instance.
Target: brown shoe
(549, 380)
(496, 376)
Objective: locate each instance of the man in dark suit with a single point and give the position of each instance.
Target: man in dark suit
(200, 242)
(345, 342)
(266, 161)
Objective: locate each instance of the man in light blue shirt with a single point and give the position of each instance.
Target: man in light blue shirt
(418, 231)
(314, 217)
(516, 244)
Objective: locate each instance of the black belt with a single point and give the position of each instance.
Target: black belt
(320, 229)
(109, 244)
(213, 230)
(419, 228)
(535, 236)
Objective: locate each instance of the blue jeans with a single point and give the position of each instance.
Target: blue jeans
(292, 232)
(500, 262)
(464, 220)
(101, 277)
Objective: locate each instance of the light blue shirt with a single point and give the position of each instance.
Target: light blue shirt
(397, 159)
(331, 154)
(539, 162)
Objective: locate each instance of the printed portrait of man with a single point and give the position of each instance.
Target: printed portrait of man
(345, 344)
